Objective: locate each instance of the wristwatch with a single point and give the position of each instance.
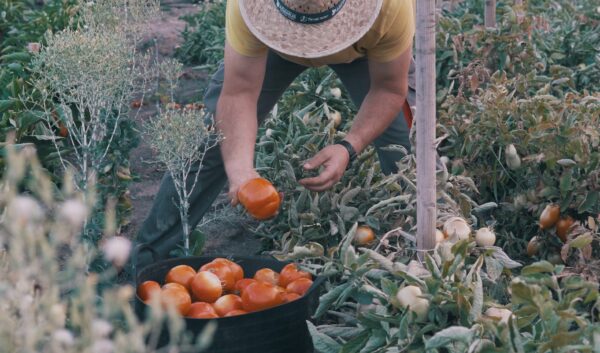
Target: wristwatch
(351, 151)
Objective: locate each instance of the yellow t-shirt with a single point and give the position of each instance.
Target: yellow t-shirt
(391, 35)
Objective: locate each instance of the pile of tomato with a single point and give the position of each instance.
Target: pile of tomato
(219, 289)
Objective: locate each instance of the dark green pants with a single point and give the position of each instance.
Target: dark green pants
(162, 231)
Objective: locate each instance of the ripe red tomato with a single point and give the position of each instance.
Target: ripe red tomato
(238, 271)
(299, 286)
(201, 310)
(227, 303)
(146, 289)
(290, 273)
(235, 313)
(260, 296)
(206, 287)
(267, 275)
(182, 274)
(176, 295)
(242, 284)
(223, 271)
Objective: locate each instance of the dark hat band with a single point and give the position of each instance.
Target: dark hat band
(305, 18)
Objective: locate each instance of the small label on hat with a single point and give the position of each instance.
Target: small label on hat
(299, 17)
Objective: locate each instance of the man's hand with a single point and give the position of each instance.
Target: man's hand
(335, 159)
(235, 182)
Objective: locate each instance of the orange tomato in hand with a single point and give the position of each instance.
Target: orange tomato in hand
(201, 310)
(206, 287)
(267, 275)
(227, 303)
(290, 273)
(260, 198)
(182, 274)
(299, 286)
(177, 296)
(260, 296)
(223, 271)
(146, 289)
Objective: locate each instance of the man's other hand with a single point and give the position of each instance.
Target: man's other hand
(334, 159)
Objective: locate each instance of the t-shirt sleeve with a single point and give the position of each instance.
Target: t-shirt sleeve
(238, 35)
(399, 34)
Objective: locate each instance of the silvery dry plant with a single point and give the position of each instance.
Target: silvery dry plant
(181, 138)
(86, 76)
(49, 302)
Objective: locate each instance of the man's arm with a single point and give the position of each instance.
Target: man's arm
(387, 93)
(236, 116)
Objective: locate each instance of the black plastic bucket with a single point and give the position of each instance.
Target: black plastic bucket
(276, 330)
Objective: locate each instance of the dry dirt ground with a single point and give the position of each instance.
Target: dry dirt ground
(226, 235)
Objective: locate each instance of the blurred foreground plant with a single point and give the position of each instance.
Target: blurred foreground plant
(49, 302)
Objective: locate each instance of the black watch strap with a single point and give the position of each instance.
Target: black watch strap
(350, 149)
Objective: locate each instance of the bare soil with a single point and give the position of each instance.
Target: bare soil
(227, 234)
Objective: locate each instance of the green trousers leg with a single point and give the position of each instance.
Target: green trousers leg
(162, 232)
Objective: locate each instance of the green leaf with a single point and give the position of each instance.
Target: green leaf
(356, 344)
(12, 57)
(322, 342)
(590, 204)
(566, 182)
(538, 267)
(450, 335)
(5, 105)
(329, 298)
(581, 241)
(389, 287)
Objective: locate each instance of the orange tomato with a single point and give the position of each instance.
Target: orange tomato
(260, 296)
(177, 296)
(267, 275)
(290, 273)
(563, 226)
(299, 286)
(146, 289)
(242, 284)
(364, 235)
(288, 297)
(182, 274)
(227, 303)
(222, 271)
(238, 271)
(235, 313)
(206, 287)
(201, 310)
(173, 285)
(260, 198)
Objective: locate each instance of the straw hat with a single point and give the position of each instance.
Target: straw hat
(309, 28)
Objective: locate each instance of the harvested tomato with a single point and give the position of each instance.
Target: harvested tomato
(242, 284)
(227, 303)
(267, 275)
(182, 274)
(146, 289)
(260, 296)
(176, 295)
(238, 271)
(288, 297)
(260, 198)
(223, 271)
(299, 286)
(235, 313)
(201, 310)
(206, 287)
(290, 273)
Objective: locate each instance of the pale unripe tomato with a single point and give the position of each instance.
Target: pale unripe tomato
(485, 237)
(513, 161)
(499, 314)
(439, 236)
(410, 297)
(456, 228)
(533, 246)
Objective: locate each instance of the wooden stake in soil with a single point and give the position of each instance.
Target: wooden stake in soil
(426, 117)
(490, 13)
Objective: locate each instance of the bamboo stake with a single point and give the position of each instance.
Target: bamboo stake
(426, 111)
(490, 13)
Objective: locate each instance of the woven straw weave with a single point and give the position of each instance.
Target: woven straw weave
(309, 40)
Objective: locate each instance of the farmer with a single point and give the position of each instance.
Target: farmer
(368, 43)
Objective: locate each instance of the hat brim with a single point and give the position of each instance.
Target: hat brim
(310, 41)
